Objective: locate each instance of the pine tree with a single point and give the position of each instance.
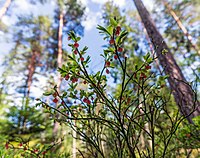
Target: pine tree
(182, 38)
(183, 94)
(24, 62)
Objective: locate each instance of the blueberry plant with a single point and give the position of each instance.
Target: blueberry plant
(22, 148)
(113, 124)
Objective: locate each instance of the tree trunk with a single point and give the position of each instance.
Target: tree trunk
(31, 71)
(184, 96)
(60, 34)
(59, 62)
(5, 8)
(181, 26)
(32, 61)
(151, 49)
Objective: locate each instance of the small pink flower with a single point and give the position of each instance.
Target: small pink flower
(82, 59)
(67, 77)
(74, 79)
(107, 71)
(85, 82)
(44, 152)
(117, 33)
(55, 94)
(35, 150)
(86, 100)
(76, 45)
(6, 145)
(118, 28)
(75, 52)
(120, 49)
(111, 41)
(147, 67)
(115, 57)
(142, 76)
(55, 100)
(107, 63)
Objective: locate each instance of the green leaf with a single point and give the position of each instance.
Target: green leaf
(97, 74)
(121, 37)
(146, 56)
(70, 45)
(62, 72)
(48, 93)
(70, 57)
(78, 39)
(136, 67)
(85, 48)
(103, 55)
(103, 29)
(106, 37)
(164, 51)
(63, 67)
(112, 50)
(82, 52)
(113, 22)
(38, 104)
(150, 60)
(72, 35)
(88, 59)
(107, 51)
(110, 29)
(165, 77)
(64, 94)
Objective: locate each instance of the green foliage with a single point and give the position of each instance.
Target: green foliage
(182, 36)
(35, 39)
(111, 125)
(188, 135)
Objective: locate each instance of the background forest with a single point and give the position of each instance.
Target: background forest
(100, 79)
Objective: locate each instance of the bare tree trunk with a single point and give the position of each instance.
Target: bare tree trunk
(184, 96)
(59, 62)
(181, 26)
(31, 71)
(60, 35)
(5, 8)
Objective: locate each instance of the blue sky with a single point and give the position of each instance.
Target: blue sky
(93, 11)
(91, 38)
